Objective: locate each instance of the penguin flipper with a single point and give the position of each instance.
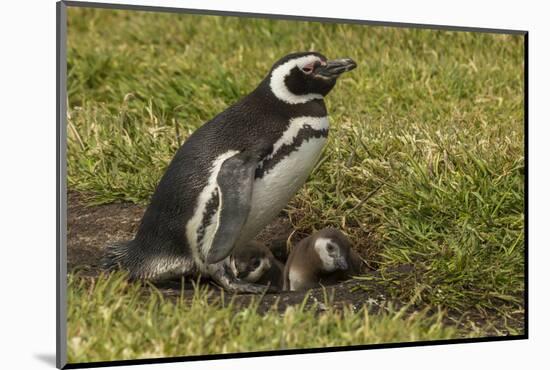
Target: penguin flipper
(235, 180)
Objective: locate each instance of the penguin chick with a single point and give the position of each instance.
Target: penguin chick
(255, 263)
(322, 258)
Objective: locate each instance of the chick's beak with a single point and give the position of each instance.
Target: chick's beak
(341, 263)
(336, 67)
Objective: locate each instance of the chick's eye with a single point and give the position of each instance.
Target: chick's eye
(255, 262)
(330, 248)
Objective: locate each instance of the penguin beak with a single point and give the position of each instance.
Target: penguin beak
(341, 263)
(336, 67)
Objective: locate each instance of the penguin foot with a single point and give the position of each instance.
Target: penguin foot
(234, 285)
(222, 276)
(244, 287)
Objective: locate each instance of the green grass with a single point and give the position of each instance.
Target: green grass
(425, 160)
(111, 319)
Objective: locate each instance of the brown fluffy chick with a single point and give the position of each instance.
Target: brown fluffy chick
(322, 258)
(254, 263)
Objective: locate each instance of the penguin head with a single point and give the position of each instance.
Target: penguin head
(250, 262)
(301, 77)
(332, 247)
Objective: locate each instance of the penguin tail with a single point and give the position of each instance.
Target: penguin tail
(115, 256)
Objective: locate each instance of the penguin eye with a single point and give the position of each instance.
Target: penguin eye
(308, 68)
(330, 248)
(255, 263)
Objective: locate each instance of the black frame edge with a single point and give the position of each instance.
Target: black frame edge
(288, 352)
(61, 187)
(526, 180)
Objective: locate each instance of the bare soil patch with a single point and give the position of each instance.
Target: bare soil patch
(90, 228)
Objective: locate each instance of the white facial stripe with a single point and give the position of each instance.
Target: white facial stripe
(191, 229)
(321, 249)
(277, 81)
(255, 275)
(296, 124)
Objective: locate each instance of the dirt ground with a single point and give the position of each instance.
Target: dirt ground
(90, 228)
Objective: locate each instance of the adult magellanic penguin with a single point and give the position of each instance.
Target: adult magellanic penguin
(233, 175)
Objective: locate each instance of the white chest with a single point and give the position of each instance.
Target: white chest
(295, 280)
(272, 192)
(285, 170)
